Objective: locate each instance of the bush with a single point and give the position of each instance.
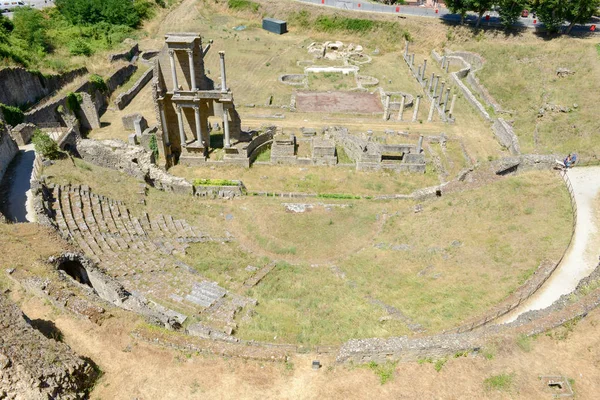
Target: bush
(325, 23)
(153, 146)
(13, 115)
(44, 145)
(98, 83)
(30, 27)
(80, 47)
(74, 101)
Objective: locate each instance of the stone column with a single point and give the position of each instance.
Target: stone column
(447, 67)
(223, 80)
(226, 141)
(163, 124)
(431, 108)
(424, 68)
(420, 145)
(192, 69)
(401, 112)
(173, 70)
(431, 82)
(198, 127)
(412, 60)
(406, 50)
(419, 74)
(416, 112)
(181, 131)
(452, 106)
(446, 99)
(386, 108)
(441, 93)
(435, 85)
(443, 62)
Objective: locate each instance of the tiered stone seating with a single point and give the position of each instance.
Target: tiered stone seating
(138, 251)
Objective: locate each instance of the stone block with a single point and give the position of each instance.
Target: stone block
(128, 121)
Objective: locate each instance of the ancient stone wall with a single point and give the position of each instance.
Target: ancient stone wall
(34, 367)
(19, 86)
(22, 133)
(506, 136)
(126, 55)
(120, 76)
(132, 160)
(8, 148)
(125, 98)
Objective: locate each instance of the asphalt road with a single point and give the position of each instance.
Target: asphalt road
(35, 4)
(443, 13)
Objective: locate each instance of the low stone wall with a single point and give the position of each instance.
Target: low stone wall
(224, 192)
(120, 76)
(124, 99)
(506, 136)
(19, 86)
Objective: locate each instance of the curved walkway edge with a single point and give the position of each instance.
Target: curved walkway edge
(582, 256)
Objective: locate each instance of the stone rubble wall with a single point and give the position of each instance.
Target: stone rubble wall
(132, 160)
(19, 86)
(124, 99)
(34, 367)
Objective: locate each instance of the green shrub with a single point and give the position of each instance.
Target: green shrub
(439, 364)
(385, 372)
(80, 47)
(243, 5)
(74, 101)
(153, 146)
(214, 182)
(45, 146)
(325, 23)
(13, 115)
(98, 83)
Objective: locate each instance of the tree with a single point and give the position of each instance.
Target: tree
(480, 7)
(115, 12)
(510, 11)
(551, 13)
(45, 145)
(30, 27)
(580, 11)
(458, 7)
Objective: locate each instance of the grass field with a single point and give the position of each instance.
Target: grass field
(281, 178)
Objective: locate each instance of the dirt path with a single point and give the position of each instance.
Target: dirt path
(582, 256)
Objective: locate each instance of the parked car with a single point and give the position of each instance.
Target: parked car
(7, 6)
(525, 13)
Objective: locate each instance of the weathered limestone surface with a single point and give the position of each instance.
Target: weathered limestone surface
(22, 133)
(34, 367)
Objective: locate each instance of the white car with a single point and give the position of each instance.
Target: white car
(8, 6)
